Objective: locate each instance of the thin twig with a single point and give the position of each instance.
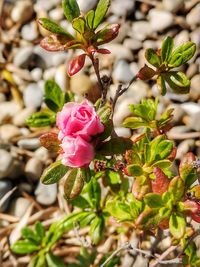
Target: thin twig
(6, 196)
(163, 256)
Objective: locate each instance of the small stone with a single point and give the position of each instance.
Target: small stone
(173, 5)
(61, 77)
(193, 17)
(140, 261)
(19, 206)
(29, 31)
(141, 30)
(46, 194)
(82, 85)
(178, 112)
(33, 96)
(190, 108)
(22, 11)
(29, 144)
(160, 19)
(43, 5)
(193, 122)
(42, 154)
(123, 132)
(122, 8)
(119, 51)
(8, 131)
(181, 38)
(137, 91)
(56, 14)
(85, 6)
(23, 56)
(33, 169)
(21, 117)
(192, 70)
(122, 111)
(195, 36)
(2, 97)
(195, 87)
(36, 74)
(49, 73)
(132, 44)
(6, 163)
(184, 147)
(5, 187)
(122, 71)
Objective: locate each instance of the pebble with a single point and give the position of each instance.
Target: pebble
(178, 113)
(195, 36)
(190, 108)
(8, 131)
(132, 44)
(6, 163)
(46, 194)
(8, 110)
(121, 8)
(181, 38)
(43, 5)
(85, 6)
(36, 74)
(33, 169)
(42, 154)
(19, 206)
(119, 51)
(122, 71)
(61, 77)
(2, 97)
(33, 96)
(123, 132)
(195, 86)
(173, 5)
(21, 117)
(29, 31)
(49, 73)
(184, 147)
(56, 14)
(141, 30)
(5, 187)
(137, 91)
(22, 11)
(140, 261)
(23, 56)
(29, 144)
(160, 19)
(193, 16)
(122, 111)
(193, 122)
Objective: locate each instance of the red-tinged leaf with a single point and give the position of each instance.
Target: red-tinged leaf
(195, 191)
(195, 215)
(103, 51)
(54, 43)
(172, 155)
(190, 205)
(106, 35)
(145, 217)
(161, 183)
(50, 141)
(141, 186)
(145, 73)
(72, 44)
(76, 64)
(164, 224)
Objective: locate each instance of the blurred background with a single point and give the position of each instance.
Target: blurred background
(24, 67)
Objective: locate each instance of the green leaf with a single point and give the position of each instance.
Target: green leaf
(90, 18)
(97, 230)
(27, 233)
(54, 261)
(177, 225)
(80, 202)
(39, 230)
(73, 183)
(79, 24)
(134, 170)
(152, 57)
(119, 210)
(104, 113)
(177, 81)
(71, 9)
(187, 170)
(182, 54)
(176, 188)
(41, 119)
(100, 12)
(54, 173)
(117, 145)
(54, 27)
(167, 47)
(153, 200)
(24, 247)
(162, 164)
(161, 84)
(92, 193)
(54, 97)
(135, 123)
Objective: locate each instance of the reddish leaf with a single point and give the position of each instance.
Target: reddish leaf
(164, 224)
(172, 155)
(161, 183)
(50, 141)
(103, 51)
(54, 43)
(145, 73)
(76, 64)
(190, 205)
(106, 35)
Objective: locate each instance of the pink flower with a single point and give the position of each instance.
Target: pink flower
(78, 120)
(77, 152)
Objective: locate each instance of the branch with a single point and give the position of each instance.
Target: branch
(164, 255)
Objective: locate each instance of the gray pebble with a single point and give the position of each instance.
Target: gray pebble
(173, 5)
(33, 96)
(29, 31)
(5, 187)
(21, 117)
(6, 163)
(22, 11)
(23, 56)
(46, 194)
(193, 16)
(160, 19)
(122, 71)
(33, 169)
(121, 8)
(29, 144)
(19, 206)
(8, 131)
(141, 30)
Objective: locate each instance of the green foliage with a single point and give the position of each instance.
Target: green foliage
(73, 183)
(41, 119)
(100, 12)
(71, 9)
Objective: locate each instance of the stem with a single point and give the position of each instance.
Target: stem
(164, 255)
(120, 91)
